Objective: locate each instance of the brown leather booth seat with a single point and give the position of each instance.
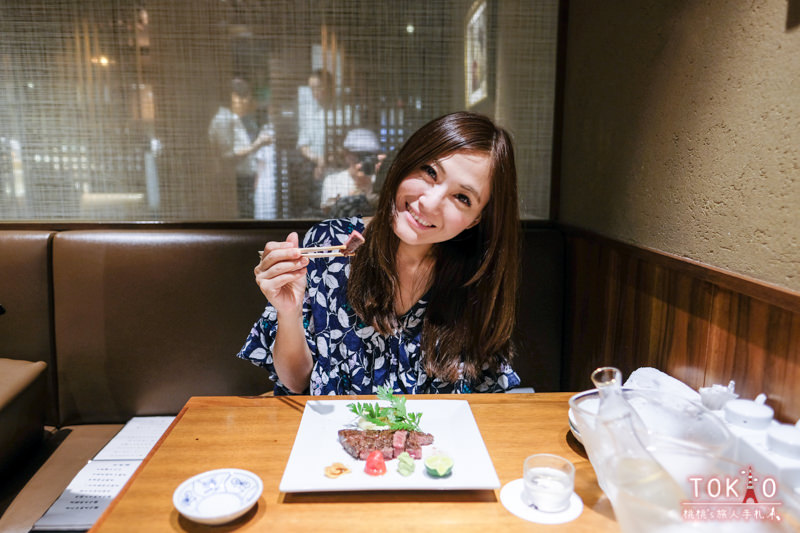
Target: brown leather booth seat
(146, 319)
(27, 384)
(26, 319)
(22, 403)
(132, 322)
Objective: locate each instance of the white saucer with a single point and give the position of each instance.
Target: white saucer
(512, 499)
(217, 496)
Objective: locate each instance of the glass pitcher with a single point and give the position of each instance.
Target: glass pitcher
(644, 446)
(642, 492)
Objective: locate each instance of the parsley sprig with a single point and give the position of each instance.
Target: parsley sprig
(394, 416)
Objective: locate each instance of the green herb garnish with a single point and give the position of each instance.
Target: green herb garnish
(394, 416)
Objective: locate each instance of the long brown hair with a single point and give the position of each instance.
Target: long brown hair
(472, 301)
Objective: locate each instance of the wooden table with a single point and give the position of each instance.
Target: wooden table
(257, 434)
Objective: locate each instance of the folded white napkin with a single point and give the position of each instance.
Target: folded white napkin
(648, 378)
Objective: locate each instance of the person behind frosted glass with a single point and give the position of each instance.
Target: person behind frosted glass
(350, 192)
(313, 101)
(235, 134)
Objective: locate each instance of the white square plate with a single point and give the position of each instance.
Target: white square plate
(449, 421)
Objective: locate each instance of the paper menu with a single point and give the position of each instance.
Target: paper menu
(97, 483)
(136, 439)
(87, 496)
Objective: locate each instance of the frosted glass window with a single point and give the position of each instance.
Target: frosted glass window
(184, 110)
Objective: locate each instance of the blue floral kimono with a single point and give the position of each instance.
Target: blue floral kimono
(350, 357)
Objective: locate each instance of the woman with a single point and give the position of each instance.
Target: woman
(427, 304)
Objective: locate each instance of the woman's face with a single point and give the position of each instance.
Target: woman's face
(442, 198)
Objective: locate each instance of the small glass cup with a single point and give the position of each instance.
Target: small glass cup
(549, 482)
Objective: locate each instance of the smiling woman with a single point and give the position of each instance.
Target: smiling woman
(442, 199)
(457, 174)
(427, 304)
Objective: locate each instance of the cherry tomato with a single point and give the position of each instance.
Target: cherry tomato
(375, 466)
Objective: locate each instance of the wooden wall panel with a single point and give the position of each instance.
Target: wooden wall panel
(630, 307)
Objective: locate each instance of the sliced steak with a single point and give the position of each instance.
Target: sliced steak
(399, 441)
(420, 438)
(350, 439)
(359, 443)
(391, 443)
(415, 441)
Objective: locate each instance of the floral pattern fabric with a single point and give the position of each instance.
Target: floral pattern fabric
(350, 357)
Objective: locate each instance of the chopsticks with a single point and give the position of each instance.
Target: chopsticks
(318, 251)
(354, 240)
(323, 251)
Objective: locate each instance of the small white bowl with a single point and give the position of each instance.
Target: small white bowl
(217, 496)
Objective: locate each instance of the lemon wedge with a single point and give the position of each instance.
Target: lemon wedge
(439, 465)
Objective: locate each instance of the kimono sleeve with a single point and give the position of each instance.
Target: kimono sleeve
(259, 346)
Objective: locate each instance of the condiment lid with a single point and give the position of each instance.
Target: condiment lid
(748, 413)
(784, 439)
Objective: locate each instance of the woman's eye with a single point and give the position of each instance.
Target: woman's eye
(464, 199)
(429, 170)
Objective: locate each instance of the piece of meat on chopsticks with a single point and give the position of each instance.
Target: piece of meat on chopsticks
(352, 243)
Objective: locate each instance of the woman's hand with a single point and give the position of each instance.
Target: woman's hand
(281, 275)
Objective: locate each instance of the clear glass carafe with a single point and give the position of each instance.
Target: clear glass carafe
(644, 495)
(644, 445)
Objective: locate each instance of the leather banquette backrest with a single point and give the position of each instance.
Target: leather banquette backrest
(25, 318)
(146, 319)
(135, 321)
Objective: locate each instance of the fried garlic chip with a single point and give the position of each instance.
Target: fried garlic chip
(335, 470)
